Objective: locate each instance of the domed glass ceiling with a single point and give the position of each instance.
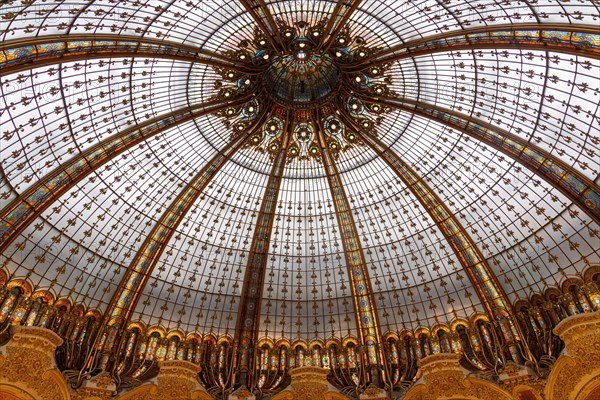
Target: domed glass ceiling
(481, 156)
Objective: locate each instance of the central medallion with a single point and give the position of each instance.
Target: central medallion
(301, 78)
(304, 91)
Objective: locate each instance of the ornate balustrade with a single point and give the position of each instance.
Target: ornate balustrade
(479, 345)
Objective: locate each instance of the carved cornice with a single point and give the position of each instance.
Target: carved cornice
(28, 363)
(309, 383)
(570, 329)
(577, 370)
(177, 380)
(40, 339)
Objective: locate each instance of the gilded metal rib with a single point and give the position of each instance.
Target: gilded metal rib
(360, 284)
(264, 19)
(25, 54)
(581, 40)
(343, 19)
(250, 303)
(480, 274)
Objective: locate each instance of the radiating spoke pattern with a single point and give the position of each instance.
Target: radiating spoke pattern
(319, 182)
(147, 256)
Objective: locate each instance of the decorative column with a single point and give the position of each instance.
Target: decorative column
(576, 373)
(177, 380)
(443, 377)
(27, 366)
(310, 383)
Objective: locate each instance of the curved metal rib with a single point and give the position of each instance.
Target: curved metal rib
(146, 258)
(24, 54)
(264, 19)
(578, 188)
(581, 40)
(334, 26)
(18, 214)
(247, 321)
(360, 283)
(484, 281)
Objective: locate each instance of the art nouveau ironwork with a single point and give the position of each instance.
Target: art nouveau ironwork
(257, 186)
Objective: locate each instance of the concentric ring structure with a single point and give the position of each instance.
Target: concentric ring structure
(347, 184)
(302, 78)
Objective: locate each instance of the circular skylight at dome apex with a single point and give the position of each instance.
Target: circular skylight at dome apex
(301, 80)
(306, 79)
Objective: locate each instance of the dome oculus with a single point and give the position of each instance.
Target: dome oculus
(307, 83)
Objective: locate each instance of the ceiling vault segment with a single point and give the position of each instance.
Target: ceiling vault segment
(488, 288)
(26, 54)
(131, 287)
(23, 210)
(247, 324)
(360, 283)
(580, 40)
(579, 189)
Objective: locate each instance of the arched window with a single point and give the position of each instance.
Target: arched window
(424, 345)
(580, 300)
(299, 356)
(283, 351)
(406, 350)
(264, 357)
(151, 349)
(129, 348)
(465, 341)
(34, 311)
(352, 362)
(274, 359)
(333, 356)
(194, 353)
(9, 303)
(445, 346)
(172, 348)
(486, 336)
(393, 352)
(316, 356)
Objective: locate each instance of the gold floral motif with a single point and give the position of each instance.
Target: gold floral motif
(28, 363)
(309, 383)
(443, 377)
(243, 394)
(374, 393)
(516, 379)
(578, 367)
(512, 370)
(177, 380)
(100, 387)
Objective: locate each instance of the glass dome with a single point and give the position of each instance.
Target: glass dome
(187, 167)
